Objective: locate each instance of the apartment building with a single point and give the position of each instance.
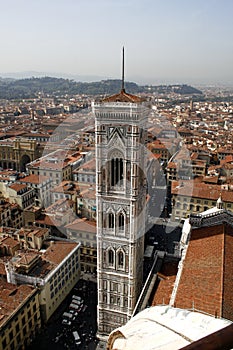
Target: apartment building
(20, 317)
(86, 172)
(54, 272)
(57, 165)
(21, 194)
(194, 196)
(41, 185)
(65, 190)
(84, 231)
(56, 216)
(11, 214)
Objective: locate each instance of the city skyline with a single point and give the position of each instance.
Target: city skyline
(168, 42)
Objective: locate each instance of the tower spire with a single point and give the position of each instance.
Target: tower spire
(123, 71)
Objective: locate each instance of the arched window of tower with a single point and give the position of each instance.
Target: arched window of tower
(116, 171)
(121, 221)
(120, 259)
(111, 257)
(111, 220)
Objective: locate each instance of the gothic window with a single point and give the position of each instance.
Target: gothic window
(120, 259)
(116, 171)
(111, 257)
(111, 220)
(121, 221)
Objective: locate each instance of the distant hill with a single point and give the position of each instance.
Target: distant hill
(31, 87)
(182, 89)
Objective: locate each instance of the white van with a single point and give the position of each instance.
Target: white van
(76, 338)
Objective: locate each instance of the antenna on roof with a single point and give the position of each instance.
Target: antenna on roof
(123, 71)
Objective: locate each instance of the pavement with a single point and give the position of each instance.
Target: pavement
(55, 335)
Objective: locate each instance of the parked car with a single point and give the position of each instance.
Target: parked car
(78, 302)
(67, 315)
(76, 338)
(74, 306)
(73, 312)
(76, 297)
(66, 322)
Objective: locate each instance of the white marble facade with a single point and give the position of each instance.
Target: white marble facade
(120, 125)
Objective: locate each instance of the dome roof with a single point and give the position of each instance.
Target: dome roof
(164, 327)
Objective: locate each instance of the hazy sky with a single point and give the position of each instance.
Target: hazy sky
(189, 41)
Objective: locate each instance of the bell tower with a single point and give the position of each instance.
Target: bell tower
(120, 128)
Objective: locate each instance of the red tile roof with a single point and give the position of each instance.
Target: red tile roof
(83, 225)
(34, 179)
(8, 241)
(167, 276)
(198, 189)
(17, 187)
(123, 96)
(11, 297)
(206, 282)
(58, 251)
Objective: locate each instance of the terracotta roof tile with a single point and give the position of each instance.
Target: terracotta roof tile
(205, 282)
(58, 251)
(11, 297)
(199, 189)
(34, 179)
(123, 96)
(8, 241)
(167, 276)
(83, 225)
(17, 187)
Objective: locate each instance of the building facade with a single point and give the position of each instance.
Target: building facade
(54, 272)
(11, 214)
(191, 197)
(57, 165)
(16, 153)
(120, 124)
(20, 315)
(84, 231)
